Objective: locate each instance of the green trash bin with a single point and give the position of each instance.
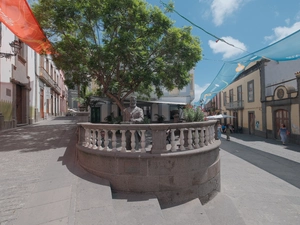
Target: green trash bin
(95, 115)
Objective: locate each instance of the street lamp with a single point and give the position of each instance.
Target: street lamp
(15, 48)
(201, 102)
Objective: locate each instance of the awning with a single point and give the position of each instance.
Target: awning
(164, 102)
(19, 19)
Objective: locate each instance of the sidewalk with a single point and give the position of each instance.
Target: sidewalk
(259, 182)
(40, 182)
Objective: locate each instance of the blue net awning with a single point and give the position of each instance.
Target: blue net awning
(286, 49)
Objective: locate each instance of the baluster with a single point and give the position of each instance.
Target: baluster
(190, 139)
(212, 128)
(94, 139)
(197, 138)
(143, 141)
(182, 148)
(132, 140)
(90, 138)
(123, 141)
(173, 143)
(206, 136)
(114, 141)
(106, 141)
(86, 133)
(99, 139)
(202, 137)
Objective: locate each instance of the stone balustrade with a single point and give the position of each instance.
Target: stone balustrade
(175, 161)
(154, 138)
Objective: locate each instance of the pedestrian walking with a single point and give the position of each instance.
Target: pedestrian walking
(219, 129)
(228, 132)
(283, 133)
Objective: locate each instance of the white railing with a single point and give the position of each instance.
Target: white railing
(147, 138)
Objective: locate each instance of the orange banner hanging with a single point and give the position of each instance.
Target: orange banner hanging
(18, 17)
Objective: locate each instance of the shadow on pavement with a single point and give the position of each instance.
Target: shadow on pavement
(36, 137)
(69, 159)
(280, 167)
(247, 137)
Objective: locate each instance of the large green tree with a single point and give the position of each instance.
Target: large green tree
(126, 46)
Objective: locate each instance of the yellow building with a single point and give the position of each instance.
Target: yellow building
(265, 95)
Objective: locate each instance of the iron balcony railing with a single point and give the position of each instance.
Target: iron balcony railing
(235, 105)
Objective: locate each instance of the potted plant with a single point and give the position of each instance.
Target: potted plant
(160, 118)
(192, 114)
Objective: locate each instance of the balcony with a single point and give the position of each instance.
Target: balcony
(235, 105)
(44, 76)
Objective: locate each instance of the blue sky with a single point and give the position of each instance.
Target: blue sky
(247, 24)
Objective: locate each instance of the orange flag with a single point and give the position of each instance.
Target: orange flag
(18, 17)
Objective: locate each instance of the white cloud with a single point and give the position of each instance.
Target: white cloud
(297, 17)
(282, 32)
(287, 21)
(198, 92)
(222, 9)
(228, 51)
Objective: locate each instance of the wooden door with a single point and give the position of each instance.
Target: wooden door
(42, 103)
(281, 117)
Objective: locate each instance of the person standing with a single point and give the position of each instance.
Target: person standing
(283, 132)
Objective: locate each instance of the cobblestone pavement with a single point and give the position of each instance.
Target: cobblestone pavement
(24, 154)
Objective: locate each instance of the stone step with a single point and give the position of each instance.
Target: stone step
(221, 210)
(94, 203)
(137, 209)
(191, 213)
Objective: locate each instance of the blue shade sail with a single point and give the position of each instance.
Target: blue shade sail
(286, 49)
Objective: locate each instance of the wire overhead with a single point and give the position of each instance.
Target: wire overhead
(171, 9)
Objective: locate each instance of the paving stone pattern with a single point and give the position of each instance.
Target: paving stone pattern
(24, 154)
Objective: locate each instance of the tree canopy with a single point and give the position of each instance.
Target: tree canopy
(126, 46)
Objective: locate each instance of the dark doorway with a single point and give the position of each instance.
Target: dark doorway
(19, 104)
(251, 120)
(235, 121)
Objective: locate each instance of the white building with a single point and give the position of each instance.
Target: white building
(31, 88)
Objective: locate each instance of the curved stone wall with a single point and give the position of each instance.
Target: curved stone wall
(174, 177)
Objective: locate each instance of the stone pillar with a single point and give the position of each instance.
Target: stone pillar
(263, 63)
(297, 74)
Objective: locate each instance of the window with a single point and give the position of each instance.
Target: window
(22, 51)
(224, 98)
(47, 65)
(51, 71)
(250, 91)
(239, 93)
(231, 95)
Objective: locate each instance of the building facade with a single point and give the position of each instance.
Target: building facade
(264, 96)
(31, 88)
